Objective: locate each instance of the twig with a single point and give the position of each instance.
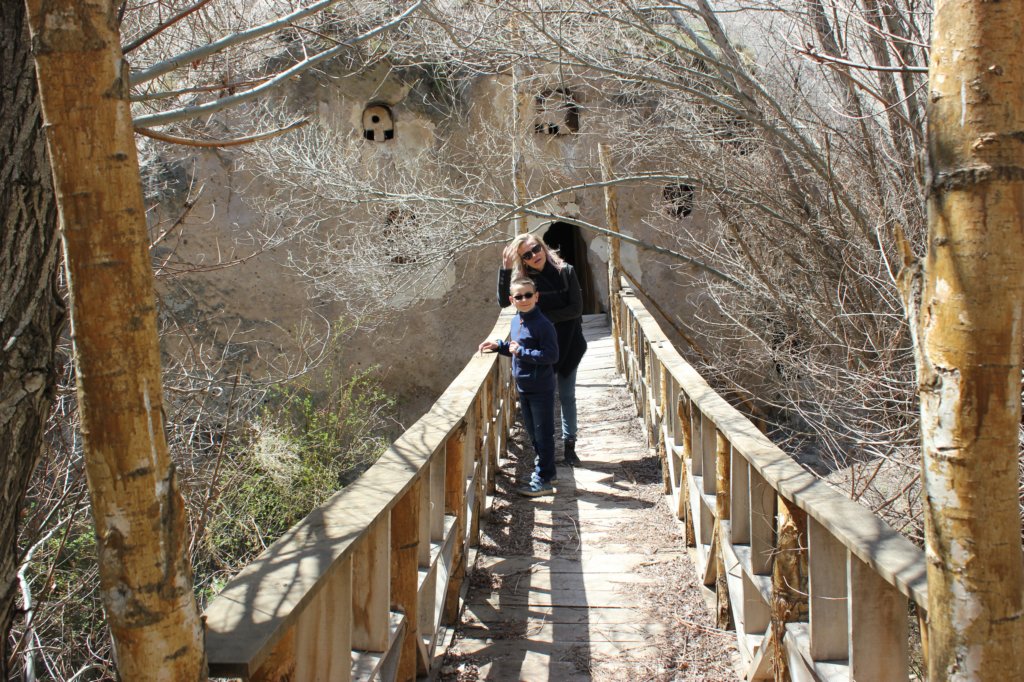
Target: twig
(187, 142)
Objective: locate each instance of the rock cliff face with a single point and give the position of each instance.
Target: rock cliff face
(397, 129)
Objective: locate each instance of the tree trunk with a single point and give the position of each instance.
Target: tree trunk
(145, 577)
(789, 581)
(723, 467)
(31, 313)
(969, 341)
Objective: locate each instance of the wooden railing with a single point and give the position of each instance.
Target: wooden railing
(361, 588)
(798, 568)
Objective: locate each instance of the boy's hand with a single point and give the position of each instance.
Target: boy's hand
(488, 346)
(514, 348)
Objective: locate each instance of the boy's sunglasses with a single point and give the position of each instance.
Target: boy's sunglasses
(530, 253)
(524, 297)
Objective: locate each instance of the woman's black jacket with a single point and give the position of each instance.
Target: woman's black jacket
(561, 301)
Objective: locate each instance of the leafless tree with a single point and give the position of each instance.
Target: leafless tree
(175, 45)
(796, 129)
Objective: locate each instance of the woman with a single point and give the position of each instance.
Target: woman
(561, 300)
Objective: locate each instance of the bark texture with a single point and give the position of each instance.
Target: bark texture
(968, 325)
(145, 577)
(31, 312)
(790, 581)
(723, 512)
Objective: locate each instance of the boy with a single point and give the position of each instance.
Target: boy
(533, 347)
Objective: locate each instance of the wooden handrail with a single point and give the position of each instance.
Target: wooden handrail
(795, 564)
(361, 588)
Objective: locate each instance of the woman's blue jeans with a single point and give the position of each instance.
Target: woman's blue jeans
(567, 400)
(539, 417)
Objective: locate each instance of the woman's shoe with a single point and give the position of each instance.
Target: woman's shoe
(570, 453)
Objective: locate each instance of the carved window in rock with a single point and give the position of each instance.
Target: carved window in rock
(678, 200)
(378, 123)
(557, 113)
(398, 238)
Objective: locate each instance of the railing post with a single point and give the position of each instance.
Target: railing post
(683, 408)
(371, 602)
(739, 498)
(789, 579)
(649, 390)
(611, 205)
(455, 504)
(878, 626)
(827, 563)
(722, 509)
(762, 524)
(405, 542)
(708, 451)
(319, 645)
(480, 436)
(498, 399)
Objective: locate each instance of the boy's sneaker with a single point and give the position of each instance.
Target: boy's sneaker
(534, 478)
(536, 488)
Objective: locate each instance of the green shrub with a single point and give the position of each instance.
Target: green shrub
(305, 445)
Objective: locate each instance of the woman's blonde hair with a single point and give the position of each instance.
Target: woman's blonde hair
(519, 267)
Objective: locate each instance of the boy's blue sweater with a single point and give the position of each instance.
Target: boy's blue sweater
(534, 366)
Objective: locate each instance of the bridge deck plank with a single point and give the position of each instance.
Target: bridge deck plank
(561, 590)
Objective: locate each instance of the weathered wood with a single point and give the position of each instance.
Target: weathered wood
(739, 498)
(368, 665)
(280, 664)
(891, 555)
(569, 610)
(696, 439)
(611, 209)
(500, 436)
(686, 426)
(722, 464)
(317, 647)
(708, 449)
(425, 532)
(764, 476)
(703, 517)
(438, 478)
(789, 580)
(827, 565)
(455, 504)
(665, 410)
(405, 531)
(265, 602)
(479, 468)
(666, 398)
(371, 567)
(878, 626)
(762, 523)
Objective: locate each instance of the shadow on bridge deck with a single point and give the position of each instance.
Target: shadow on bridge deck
(594, 583)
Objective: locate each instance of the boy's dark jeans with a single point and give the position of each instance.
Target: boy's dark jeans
(539, 416)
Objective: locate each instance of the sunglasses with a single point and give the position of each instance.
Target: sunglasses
(524, 297)
(530, 253)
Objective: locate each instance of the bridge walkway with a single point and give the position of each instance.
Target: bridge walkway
(594, 583)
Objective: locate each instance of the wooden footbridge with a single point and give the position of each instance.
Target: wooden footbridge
(429, 566)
